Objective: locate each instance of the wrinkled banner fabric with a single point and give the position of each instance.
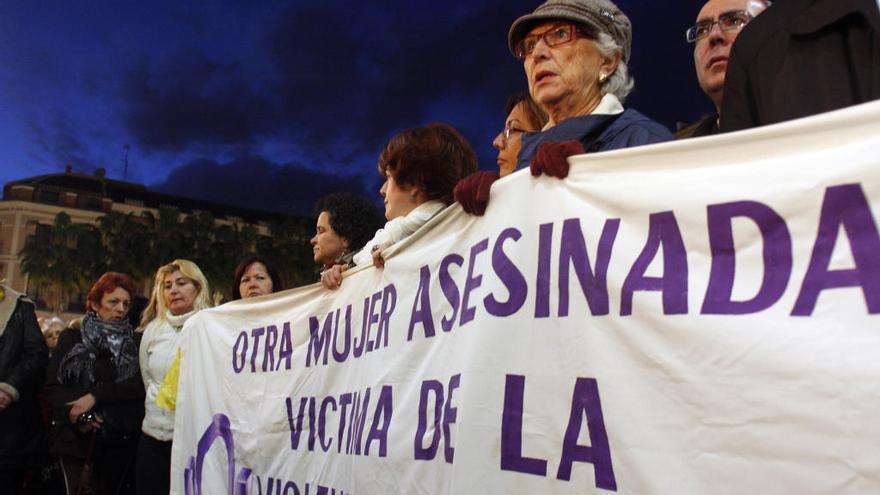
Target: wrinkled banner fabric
(692, 317)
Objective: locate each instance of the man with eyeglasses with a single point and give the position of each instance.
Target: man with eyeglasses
(718, 24)
(800, 58)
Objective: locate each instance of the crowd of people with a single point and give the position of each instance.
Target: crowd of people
(106, 424)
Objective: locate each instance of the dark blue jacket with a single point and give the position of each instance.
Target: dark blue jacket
(597, 133)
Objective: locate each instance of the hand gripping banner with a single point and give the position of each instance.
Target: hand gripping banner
(693, 317)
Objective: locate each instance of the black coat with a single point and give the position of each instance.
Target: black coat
(707, 126)
(802, 57)
(23, 357)
(122, 403)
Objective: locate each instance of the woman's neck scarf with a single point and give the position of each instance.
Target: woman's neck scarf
(116, 337)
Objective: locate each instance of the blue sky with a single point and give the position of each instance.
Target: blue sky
(271, 104)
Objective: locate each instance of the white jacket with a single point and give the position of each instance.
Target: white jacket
(159, 347)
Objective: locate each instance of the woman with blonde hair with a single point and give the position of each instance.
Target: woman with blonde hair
(180, 290)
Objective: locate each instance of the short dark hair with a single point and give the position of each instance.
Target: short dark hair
(243, 265)
(107, 283)
(536, 115)
(432, 158)
(352, 217)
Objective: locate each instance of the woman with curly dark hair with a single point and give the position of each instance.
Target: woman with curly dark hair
(421, 167)
(343, 224)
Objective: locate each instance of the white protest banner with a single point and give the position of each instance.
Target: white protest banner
(692, 317)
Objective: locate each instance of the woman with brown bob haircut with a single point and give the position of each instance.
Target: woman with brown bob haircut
(421, 167)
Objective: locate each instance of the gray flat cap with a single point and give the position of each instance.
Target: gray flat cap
(601, 15)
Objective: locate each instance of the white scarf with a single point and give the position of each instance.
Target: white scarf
(398, 229)
(178, 321)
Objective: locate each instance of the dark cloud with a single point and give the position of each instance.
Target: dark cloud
(57, 141)
(340, 83)
(257, 183)
(311, 92)
(343, 75)
(191, 99)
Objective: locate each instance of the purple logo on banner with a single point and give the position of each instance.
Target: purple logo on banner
(192, 475)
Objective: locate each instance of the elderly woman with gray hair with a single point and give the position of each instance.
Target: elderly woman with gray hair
(575, 55)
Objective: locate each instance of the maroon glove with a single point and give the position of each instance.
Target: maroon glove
(550, 158)
(472, 192)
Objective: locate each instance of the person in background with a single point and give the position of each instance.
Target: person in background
(255, 276)
(575, 55)
(800, 58)
(718, 24)
(343, 224)
(94, 388)
(136, 311)
(53, 328)
(23, 358)
(180, 290)
(523, 115)
(421, 167)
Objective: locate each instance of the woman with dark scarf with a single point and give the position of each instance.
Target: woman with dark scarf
(94, 387)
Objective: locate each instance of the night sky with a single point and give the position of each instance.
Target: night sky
(270, 105)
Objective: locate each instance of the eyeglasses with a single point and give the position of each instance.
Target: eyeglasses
(728, 21)
(511, 131)
(556, 35)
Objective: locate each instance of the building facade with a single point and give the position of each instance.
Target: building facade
(86, 198)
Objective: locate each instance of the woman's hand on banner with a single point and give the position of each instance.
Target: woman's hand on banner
(331, 278)
(552, 158)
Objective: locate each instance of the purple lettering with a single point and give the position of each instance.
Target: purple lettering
(286, 352)
(389, 301)
(312, 429)
(585, 401)
(573, 253)
(295, 427)
(542, 279)
(845, 206)
(511, 430)
(269, 350)
(384, 410)
(450, 289)
(450, 415)
(662, 231)
(358, 425)
(421, 312)
(344, 401)
(359, 345)
(256, 333)
(471, 283)
(374, 318)
(509, 275)
(239, 351)
(353, 421)
(777, 258)
(322, 423)
(319, 342)
(341, 356)
(435, 388)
